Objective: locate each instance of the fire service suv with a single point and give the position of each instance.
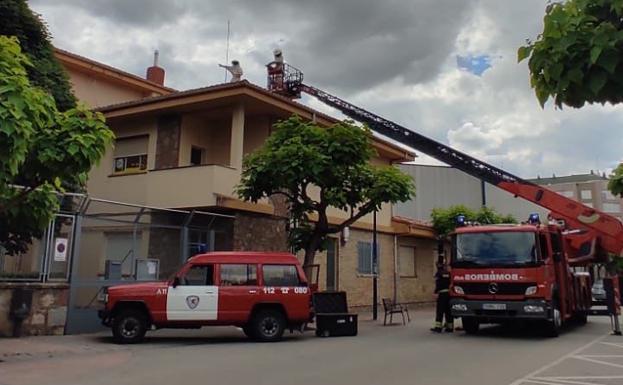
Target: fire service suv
(532, 271)
(263, 293)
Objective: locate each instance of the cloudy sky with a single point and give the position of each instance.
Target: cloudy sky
(444, 68)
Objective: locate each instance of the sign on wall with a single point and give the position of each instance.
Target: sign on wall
(60, 250)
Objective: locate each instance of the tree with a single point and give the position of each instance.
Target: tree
(16, 19)
(301, 158)
(41, 149)
(578, 56)
(444, 219)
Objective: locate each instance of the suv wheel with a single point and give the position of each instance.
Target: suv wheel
(268, 325)
(129, 326)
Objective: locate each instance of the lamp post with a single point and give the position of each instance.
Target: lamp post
(375, 270)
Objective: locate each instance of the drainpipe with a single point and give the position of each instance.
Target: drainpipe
(396, 278)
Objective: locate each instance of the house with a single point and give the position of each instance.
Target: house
(97, 84)
(184, 150)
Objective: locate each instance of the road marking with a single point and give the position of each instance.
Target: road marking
(613, 344)
(598, 361)
(556, 362)
(569, 382)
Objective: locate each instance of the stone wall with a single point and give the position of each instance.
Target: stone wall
(168, 141)
(48, 311)
(255, 232)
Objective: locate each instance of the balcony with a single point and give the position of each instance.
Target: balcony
(180, 187)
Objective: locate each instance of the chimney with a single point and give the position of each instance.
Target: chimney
(155, 74)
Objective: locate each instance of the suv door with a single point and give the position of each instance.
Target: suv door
(282, 284)
(238, 291)
(195, 298)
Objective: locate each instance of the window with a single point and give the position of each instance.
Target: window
(567, 193)
(130, 154)
(586, 194)
(280, 275)
(238, 275)
(406, 261)
(197, 155)
(365, 257)
(543, 246)
(199, 275)
(612, 207)
(607, 196)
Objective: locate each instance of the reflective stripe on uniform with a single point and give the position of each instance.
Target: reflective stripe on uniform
(443, 291)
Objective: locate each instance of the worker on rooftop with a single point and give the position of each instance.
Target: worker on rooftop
(234, 69)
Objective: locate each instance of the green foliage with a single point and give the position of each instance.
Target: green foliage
(444, 219)
(615, 182)
(578, 56)
(41, 149)
(16, 19)
(300, 158)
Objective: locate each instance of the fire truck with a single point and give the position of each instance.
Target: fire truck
(536, 271)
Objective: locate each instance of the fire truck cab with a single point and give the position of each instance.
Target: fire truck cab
(501, 273)
(262, 292)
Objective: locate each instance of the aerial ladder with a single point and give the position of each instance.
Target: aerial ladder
(592, 234)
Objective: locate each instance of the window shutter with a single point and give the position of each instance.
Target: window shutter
(131, 146)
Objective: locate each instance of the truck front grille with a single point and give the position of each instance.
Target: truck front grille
(503, 288)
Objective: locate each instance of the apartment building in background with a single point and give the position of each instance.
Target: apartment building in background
(591, 189)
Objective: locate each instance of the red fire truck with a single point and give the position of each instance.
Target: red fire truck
(262, 292)
(536, 271)
(511, 272)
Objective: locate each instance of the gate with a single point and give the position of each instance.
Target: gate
(119, 243)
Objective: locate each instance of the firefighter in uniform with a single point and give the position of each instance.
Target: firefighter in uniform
(442, 289)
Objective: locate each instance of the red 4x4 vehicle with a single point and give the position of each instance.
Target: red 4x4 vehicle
(262, 292)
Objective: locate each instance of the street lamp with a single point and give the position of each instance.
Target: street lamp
(375, 271)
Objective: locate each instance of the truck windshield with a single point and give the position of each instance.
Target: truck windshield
(504, 248)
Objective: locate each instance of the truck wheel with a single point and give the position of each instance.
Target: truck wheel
(470, 325)
(268, 325)
(552, 327)
(129, 326)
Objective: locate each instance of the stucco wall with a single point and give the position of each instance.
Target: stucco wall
(97, 91)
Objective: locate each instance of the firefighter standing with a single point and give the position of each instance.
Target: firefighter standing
(442, 289)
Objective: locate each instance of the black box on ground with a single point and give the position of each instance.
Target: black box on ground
(332, 316)
(336, 324)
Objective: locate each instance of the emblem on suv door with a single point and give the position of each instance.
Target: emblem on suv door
(493, 288)
(192, 301)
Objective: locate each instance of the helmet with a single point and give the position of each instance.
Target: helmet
(277, 52)
(235, 62)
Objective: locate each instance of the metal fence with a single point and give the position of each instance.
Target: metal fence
(94, 243)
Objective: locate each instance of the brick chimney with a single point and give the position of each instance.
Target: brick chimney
(154, 73)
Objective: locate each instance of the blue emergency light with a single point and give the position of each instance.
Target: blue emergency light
(534, 219)
(460, 220)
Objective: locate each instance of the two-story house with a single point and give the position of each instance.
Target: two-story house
(184, 150)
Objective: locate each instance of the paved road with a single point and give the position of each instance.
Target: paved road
(379, 355)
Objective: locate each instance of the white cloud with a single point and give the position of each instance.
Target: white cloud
(397, 59)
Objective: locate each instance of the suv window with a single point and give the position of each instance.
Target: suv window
(199, 275)
(280, 275)
(238, 275)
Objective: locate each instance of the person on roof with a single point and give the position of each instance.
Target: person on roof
(234, 69)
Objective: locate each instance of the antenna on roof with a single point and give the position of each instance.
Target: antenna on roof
(227, 50)
(156, 54)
